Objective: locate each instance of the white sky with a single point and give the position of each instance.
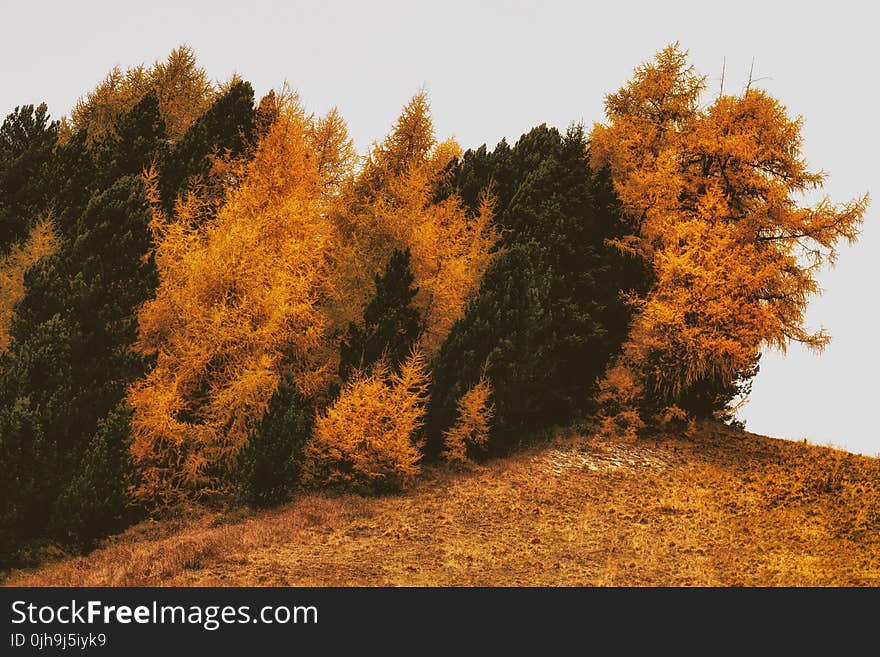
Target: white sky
(496, 69)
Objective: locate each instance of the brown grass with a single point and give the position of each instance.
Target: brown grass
(724, 509)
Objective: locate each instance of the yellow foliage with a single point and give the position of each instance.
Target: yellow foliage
(365, 440)
(241, 300)
(712, 193)
(471, 429)
(41, 242)
(182, 88)
(390, 205)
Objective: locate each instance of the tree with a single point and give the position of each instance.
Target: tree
(391, 324)
(136, 143)
(224, 132)
(391, 205)
(183, 90)
(70, 359)
(95, 500)
(499, 336)
(712, 195)
(241, 303)
(549, 313)
(365, 439)
(471, 429)
(40, 243)
(27, 140)
(270, 465)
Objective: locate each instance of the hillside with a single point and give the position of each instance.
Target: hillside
(722, 509)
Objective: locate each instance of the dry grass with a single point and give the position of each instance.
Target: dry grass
(724, 509)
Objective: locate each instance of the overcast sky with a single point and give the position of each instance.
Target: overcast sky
(496, 69)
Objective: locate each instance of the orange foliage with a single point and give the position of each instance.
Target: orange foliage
(390, 205)
(712, 192)
(182, 88)
(241, 300)
(471, 429)
(41, 242)
(364, 441)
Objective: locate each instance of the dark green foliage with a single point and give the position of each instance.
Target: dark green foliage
(74, 178)
(137, 142)
(96, 500)
(227, 129)
(63, 381)
(28, 459)
(505, 331)
(391, 323)
(549, 314)
(269, 467)
(27, 139)
(716, 397)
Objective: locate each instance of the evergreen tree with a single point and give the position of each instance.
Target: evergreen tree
(96, 501)
(62, 383)
(270, 465)
(549, 313)
(227, 129)
(137, 142)
(27, 141)
(502, 332)
(391, 322)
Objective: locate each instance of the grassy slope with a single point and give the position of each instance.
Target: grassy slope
(724, 509)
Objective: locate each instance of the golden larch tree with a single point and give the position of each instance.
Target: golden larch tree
(715, 195)
(471, 428)
(182, 87)
(390, 205)
(365, 440)
(241, 301)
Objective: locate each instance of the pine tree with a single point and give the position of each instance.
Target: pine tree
(391, 322)
(71, 359)
(270, 465)
(135, 144)
(501, 334)
(95, 500)
(27, 141)
(225, 131)
(549, 312)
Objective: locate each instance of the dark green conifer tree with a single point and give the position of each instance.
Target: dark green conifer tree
(391, 323)
(549, 313)
(227, 129)
(27, 141)
(63, 383)
(270, 465)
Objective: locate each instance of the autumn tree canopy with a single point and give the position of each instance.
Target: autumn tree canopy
(391, 205)
(241, 301)
(205, 297)
(714, 193)
(182, 89)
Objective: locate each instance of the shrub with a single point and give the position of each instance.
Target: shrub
(364, 441)
(471, 429)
